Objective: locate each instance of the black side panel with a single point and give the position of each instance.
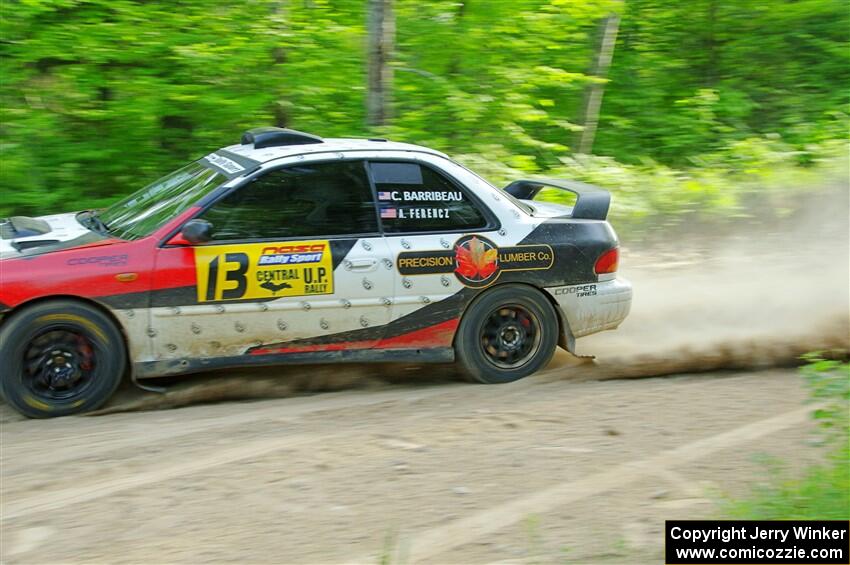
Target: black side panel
(178, 366)
(577, 246)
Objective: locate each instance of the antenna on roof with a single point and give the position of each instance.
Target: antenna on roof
(277, 137)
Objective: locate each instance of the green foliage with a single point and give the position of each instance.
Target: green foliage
(757, 177)
(100, 97)
(823, 492)
(690, 77)
(829, 383)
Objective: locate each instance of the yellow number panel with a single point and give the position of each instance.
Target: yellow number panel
(263, 270)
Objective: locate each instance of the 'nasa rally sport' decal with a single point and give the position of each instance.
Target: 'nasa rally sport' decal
(263, 270)
(476, 261)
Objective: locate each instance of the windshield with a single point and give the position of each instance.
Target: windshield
(141, 213)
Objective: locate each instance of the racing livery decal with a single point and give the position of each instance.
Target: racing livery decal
(476, 261)
(263, 270)
(229, 166)
(100, 260)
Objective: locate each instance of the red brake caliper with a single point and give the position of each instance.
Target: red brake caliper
(86, 352)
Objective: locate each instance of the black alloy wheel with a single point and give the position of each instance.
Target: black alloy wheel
(510, 336)
(507, 333)
(60, 357)
(59, 363)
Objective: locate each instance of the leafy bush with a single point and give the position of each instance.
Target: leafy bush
(823, 492)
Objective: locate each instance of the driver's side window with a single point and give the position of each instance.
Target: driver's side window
(301, 201)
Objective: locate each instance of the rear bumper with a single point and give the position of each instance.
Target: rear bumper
(593, 307)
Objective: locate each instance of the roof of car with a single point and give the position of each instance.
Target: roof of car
(327, 145)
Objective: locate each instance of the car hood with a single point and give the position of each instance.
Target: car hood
(21, 235)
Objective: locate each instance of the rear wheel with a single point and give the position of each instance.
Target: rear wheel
(506, 334)
(60, 357)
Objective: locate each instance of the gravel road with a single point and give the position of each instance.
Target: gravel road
(547, 470)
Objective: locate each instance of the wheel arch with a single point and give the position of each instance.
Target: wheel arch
(74, 298)
(566, 340)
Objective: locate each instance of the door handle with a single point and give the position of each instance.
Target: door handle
(360, 264)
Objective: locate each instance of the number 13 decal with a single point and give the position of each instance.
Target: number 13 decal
(232, 275)
(263, 271)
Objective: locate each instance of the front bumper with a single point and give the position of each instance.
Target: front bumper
(594, 307)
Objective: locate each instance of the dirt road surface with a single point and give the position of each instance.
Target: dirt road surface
(547, 470)
(579, 464)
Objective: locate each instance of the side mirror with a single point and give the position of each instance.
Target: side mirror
(196, 231)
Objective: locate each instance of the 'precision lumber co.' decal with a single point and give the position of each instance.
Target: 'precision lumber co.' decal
(476, 261)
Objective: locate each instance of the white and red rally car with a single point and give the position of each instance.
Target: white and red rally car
(290, 248)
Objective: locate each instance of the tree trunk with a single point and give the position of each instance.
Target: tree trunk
(454, 61)
(280, 107)
(711, 44)
(381, 29)
(589, 117)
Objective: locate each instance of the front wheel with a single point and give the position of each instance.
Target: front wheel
(60, 357)
(506, 334)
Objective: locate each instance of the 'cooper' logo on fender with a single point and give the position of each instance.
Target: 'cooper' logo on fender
(102, 260)
(476, 261)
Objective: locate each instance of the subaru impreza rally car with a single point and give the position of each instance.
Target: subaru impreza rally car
(290, 248)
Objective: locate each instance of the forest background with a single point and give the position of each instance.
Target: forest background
(705, 110)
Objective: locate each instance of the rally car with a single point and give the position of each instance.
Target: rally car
(290, 248)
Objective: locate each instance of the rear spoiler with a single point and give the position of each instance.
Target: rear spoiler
(592, 202)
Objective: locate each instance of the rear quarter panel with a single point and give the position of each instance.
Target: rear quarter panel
(577, 245)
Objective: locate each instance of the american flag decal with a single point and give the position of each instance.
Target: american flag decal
(389, 213)
(385, 195)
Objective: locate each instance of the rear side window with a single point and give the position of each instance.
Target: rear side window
(415, 198)
(309, 200)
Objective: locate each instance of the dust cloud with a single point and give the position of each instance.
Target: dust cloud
(757, 295)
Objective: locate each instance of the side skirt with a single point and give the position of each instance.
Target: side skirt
(170, 367)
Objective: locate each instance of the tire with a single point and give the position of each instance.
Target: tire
(60, 357)
(506, 334)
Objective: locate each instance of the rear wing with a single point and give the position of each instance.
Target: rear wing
(592, 202)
